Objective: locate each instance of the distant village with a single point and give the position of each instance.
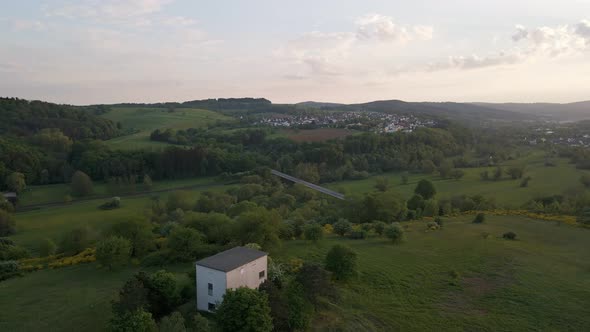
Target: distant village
(572, 138)
(370, 121)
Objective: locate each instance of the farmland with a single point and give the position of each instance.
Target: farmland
(142, 121)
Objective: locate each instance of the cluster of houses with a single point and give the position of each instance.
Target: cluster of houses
(570, 138)
(371, 121)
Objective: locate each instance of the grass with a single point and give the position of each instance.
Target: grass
(546, 181)
(145, 120)
(53, 222)
(55, 193)
(539, 282)
(76, 298)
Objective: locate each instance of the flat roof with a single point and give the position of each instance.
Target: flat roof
(231, 259)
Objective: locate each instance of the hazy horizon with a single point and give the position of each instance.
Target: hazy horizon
(145, 51)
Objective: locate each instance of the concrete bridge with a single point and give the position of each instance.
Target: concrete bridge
(308, 184)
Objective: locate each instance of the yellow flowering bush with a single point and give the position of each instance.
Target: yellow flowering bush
(328, 229)
(88, 255)
(570, 220)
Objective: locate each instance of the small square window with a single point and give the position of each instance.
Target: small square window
(211, 306)
(210, 289)
(261, 274)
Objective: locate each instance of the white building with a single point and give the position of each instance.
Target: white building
(233, 268)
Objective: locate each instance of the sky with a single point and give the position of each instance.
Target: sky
(110, 51)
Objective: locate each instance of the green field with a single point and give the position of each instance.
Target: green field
(546, 181)
(145, 120)
(55, 193)
(541, 282)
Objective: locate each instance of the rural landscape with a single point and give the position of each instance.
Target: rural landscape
(172, 166)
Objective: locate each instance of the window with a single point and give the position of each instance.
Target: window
(210, 289)
(261, 274)
(211, 306)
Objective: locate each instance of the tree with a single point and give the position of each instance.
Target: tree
(313, 232)
(81, 184)
(133, 296)
(315, 280)
(430, 208)
(173, 323)
(138, 231)
(16, 182)
(509, 236)
(525, 182)
(386, 206)
(47, 248)
(395, 233)
(260, 226)
(515, 172)
(479, 218)
(416, 202)
(445, 169)
(379, 227)
(179, 200)
(342, 227)
(585, 180)
(584, 217)
(425, 189)
(7, 224)
(185, 243)
(299, 309)
(341, 261)
(498, 173)
(147, 182)
(134, 321)
(405, 178)
(113, 252)
(200, 324)
(76, 240)
(162, 293)
(244, 310)
(457, 174)
(428, 166)
(382, 184)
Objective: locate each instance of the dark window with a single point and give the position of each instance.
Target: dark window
(210, 289)
(211, 306)
(261, 274)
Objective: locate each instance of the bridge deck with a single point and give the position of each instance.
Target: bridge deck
(308, 184)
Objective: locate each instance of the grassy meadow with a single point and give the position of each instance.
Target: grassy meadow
(454, 279)
(145, 120)
(546, 181)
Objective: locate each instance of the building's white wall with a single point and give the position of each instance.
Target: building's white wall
(248, 275)
(205, 276)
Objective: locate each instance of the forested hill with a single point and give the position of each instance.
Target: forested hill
(461, 112)
(562, 112)
(24, 118)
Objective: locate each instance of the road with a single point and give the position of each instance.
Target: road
(308, 184)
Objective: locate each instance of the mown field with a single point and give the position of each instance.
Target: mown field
(546, 181)
(454, 279)
(146, 120)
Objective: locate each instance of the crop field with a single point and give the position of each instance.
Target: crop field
(145, 120)
(546, 181)
(456, 279)
(316, 135)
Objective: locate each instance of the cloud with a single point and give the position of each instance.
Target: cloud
(334, 53)
(530, 43)
(113, 9)
(384, 29)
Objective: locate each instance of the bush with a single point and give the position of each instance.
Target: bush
(9, 269)
(479, 218)
(379, 227)
(47, 248)
(432, 226)
(395, 233)
(342, 227)
(131, 321)
(76, 241)
(113, 252)
(341, 261)
(172, 323)
(81, 184)
(114, 203)
(7, 224)
(244, 309)
(525, 182)
(509, 236)
(439, 221)
(313, 232)
(156, 258)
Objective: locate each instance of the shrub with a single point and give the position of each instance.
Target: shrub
(367, 227)
(114, 203)
(395, 233)
(485, 235)
(509, 236)
(313, 232)
(156, 258)
(137, 320)
(341, 261)
(479, 218)
(113, 252)
(379, 227)
(342, 227)
(9, 269)
(432, 225)
(172, 323)
(525, 182)
(7, 224)
(244, 309)
(75, 241)
(439, 221)
(81, 184)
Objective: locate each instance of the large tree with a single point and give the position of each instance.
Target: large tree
(260, 226)
(425, 189)
(341, 261)
(81, 184)
(244, 310)
(16, 182)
